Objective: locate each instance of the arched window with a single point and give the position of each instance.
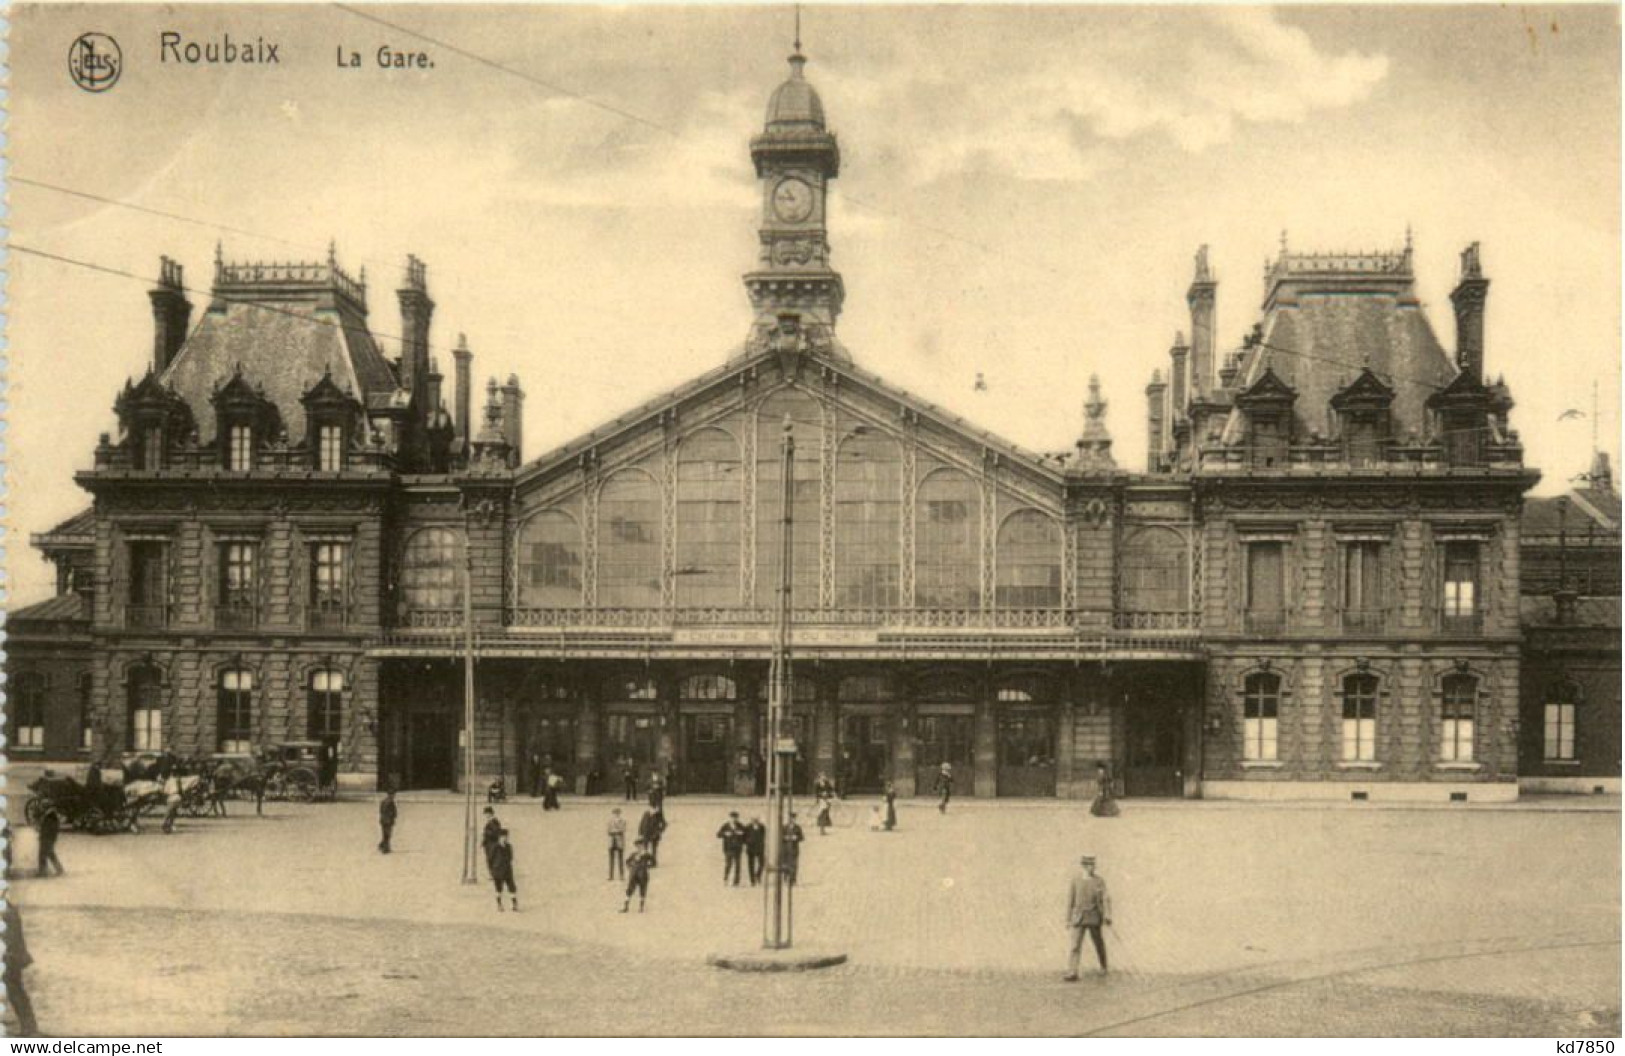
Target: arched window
(1360, 718)
(1261, 710)
(1558, 734)
(806, 426)
(325, 705)
(1029, 562)
(550, 561)
(1155, 572)
(710, 484)
(629, 541)
(868, 520)
(146, 709)
(432, 571)
(234, 712)
(621, 689)
(947, 542)
(28, 711)
(1457, 709)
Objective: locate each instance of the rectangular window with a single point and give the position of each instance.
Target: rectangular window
(1266, 586)
(327, 584)
(1461, 603)
(87, 714)
(330, 448)
(239, 601)
(152, 448)
(1359, 718)
(1261, 706)
(28, 711)
(1456, 715)
(1559, 740)
(149, 584)
(326, 706)
(1362, 586)
(240, 448)
(235, 713)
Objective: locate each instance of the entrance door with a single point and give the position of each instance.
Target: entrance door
(707, 755)
(551, 742)
(944, 739)
(431, 750)
(865, 760)
(1155, 744)
(1026, 754)
(631, 741)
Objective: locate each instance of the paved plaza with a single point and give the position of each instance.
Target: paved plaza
(1229, 920)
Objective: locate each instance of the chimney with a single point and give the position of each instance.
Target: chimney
(1176, 377)
(171, 314)
(1154, 394)
(465, 394)
(491, 445)
(513, 417)
(1469, 297)
(416, 311)
(1200, 298)
(432, 390)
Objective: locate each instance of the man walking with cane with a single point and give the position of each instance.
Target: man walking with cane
(1088, 908)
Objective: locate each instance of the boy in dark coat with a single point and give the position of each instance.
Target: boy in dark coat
(637, 868)
(755, 848)
(387, 813)
(650, 829)
(501, 863)
(792, 838)
(492, 833)
(50, 826)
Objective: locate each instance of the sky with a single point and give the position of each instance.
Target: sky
(1022, 192)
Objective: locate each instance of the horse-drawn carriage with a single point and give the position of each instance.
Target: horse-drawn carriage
(301, 771)
(100, 808)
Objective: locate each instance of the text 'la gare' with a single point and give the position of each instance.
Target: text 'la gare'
(387, 58)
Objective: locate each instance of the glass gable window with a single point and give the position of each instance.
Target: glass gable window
(868, 520)
(710, 485)
(806, 423)
(947, 542)
(1155, 572)
(146, 709)
(234, 714)
(629, 541)
(1360, 718)
(27, 709)
(431, 571)
(1261, 708)
(1029, 562)
(1460, 695)
(550, 561)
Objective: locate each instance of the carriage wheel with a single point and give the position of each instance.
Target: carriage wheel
(87, 820)
(34, 810)
(195, 806)
(301, 786)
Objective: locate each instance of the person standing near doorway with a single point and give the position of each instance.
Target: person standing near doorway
(629, 777)
(550, 797)
(1105, 804)
(945, 786)
(891, 807)
(387, 813)
(1087, 910)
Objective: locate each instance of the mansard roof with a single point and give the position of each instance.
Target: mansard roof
(738, 371)
(1327, 316)
(285, 326)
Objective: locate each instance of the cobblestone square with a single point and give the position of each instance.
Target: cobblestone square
(1229, 920)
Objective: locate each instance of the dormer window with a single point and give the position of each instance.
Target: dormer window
(1362, 410)
(330, 448)
(150, 448)
(1267, 405)
(240, 448)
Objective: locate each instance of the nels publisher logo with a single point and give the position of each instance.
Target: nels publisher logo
(95, 62)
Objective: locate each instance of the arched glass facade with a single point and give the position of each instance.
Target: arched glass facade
(806, 418)
(710, 488)
(550, 561)
(947, 542)
(629, 541)
(868, 520)
(1029, 562)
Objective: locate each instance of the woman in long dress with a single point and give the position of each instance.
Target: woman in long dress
(1105, 804)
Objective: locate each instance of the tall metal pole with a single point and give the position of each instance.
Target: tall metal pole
(776, 909)
(471, 838)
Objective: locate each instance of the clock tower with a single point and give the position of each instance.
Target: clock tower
(795, 293)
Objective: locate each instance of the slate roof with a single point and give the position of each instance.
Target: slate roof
(1598, 513)
(1319, 341)
(63, 607)
(80, 528)
(1540, 610)
(285, 341)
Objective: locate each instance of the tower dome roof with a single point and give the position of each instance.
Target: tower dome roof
(795, 103)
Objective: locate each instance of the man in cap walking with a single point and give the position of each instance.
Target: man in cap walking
(732, 834)
(1088, 908)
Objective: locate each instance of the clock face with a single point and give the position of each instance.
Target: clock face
(792, 200)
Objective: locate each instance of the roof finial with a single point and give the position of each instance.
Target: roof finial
(798, 29)
(1283, 241)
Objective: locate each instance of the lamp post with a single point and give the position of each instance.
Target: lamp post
(471, 837)
(777, 903)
